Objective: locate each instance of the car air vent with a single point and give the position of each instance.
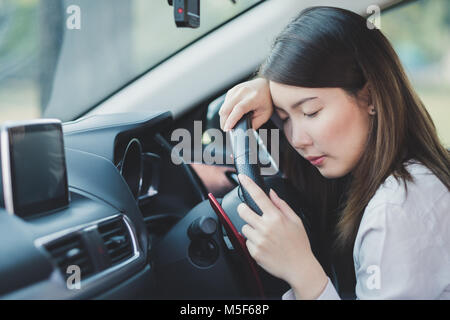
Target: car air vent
(70, 251)
(116, 238)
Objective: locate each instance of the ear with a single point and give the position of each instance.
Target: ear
(365, 98)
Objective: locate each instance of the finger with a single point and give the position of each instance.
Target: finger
(283, 206)
(238, 111)
(249, 216)
(258, 120)
(252, 249)
(261, 199)
(222, 122)
(231, 100)
(250, 233)
(225, 111)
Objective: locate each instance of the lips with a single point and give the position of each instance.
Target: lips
(316, 160)
(313, 158)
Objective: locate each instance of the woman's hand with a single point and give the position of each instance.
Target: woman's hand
(278, 242)
(253, 95)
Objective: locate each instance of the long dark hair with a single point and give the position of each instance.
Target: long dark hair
(332, 47)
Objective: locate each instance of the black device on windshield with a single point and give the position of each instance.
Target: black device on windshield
(33, 165)
(186, 13)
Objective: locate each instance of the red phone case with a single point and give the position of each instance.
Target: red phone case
(238, 242)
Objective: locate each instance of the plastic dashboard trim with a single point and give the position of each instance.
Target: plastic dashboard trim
(137, 251)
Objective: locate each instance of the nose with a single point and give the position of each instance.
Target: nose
(300, 137)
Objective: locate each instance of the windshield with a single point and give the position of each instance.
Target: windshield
(60, 58)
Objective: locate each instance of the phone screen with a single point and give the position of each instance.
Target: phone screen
(38, 168)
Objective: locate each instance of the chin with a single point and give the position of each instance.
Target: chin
(331, 174)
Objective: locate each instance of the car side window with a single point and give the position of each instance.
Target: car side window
(420, 34)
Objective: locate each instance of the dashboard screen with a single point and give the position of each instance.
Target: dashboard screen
(37, 168)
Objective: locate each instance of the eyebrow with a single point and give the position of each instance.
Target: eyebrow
(297, 104)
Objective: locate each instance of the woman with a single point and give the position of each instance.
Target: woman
(348, 108)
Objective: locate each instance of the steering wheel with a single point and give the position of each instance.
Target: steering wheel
(204, 254)
(246, 158)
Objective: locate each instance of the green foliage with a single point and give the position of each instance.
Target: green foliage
(20, 31)
(423, 25)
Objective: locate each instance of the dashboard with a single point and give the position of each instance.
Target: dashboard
(114, 171)
(132, 227)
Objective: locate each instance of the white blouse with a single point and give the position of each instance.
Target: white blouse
(402, 248)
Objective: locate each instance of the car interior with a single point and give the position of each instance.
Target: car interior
(121, 80)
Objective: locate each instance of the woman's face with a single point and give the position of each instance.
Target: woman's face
(324, 122)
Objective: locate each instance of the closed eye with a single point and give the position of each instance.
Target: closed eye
(311, 115)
